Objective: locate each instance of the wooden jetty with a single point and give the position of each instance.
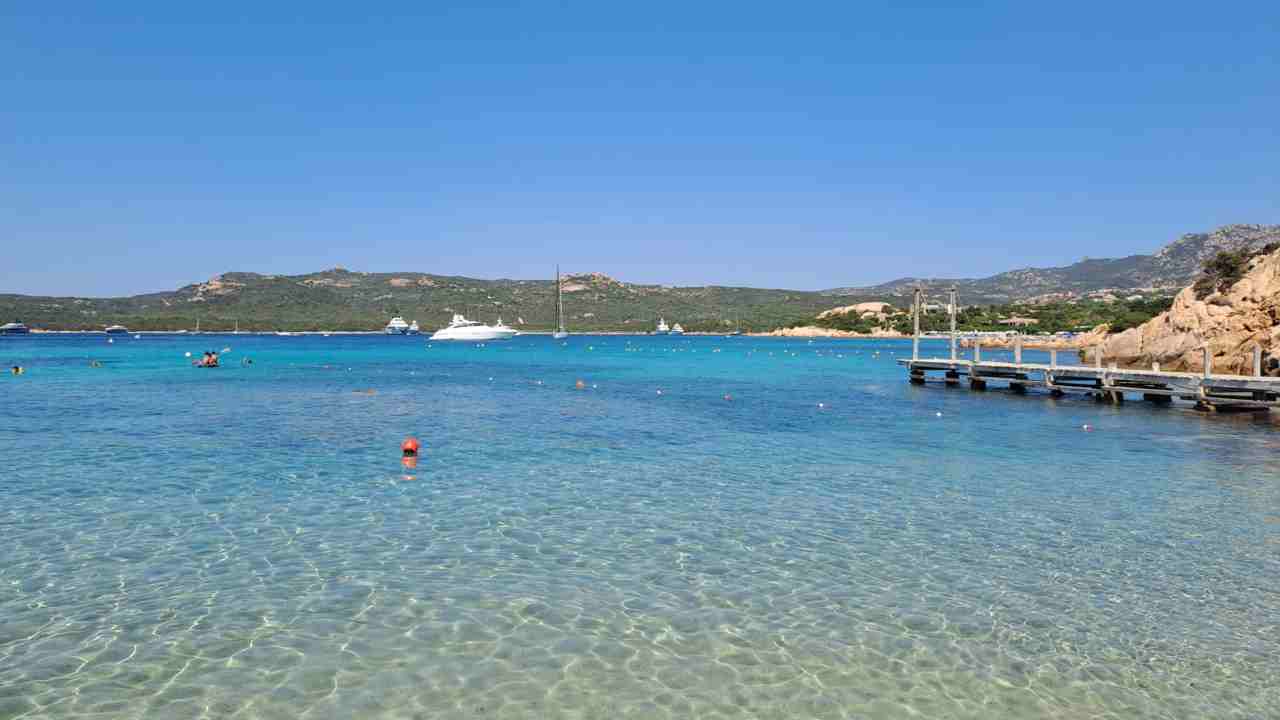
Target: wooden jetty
(1106, 383)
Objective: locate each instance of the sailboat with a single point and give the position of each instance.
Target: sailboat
(560, 332)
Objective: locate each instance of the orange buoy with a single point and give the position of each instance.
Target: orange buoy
(410, 447)
(581, 385)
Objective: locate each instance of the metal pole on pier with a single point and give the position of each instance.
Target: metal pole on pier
(915, 314)
(953, 310)
(1208, 361)
(1017, 348)
(1257, 361)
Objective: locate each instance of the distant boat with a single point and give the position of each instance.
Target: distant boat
(662, 328)
(677, 330)
(560, 332)
(397, 326)
(117, 330)
(285, 333)
(413, 328)
(14, 328)
(461, 328)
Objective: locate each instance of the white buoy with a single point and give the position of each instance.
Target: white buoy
(188, 353)
(110, 340)
(939, 414)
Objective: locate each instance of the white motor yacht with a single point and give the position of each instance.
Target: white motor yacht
(397, 326)
(413, 328)
(14, 328)
(461, 328)
(117, 330)
(677, 330)
(662, 328)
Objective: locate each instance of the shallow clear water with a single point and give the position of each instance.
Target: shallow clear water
(245, 542)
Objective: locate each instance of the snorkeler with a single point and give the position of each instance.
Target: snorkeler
(18, 370)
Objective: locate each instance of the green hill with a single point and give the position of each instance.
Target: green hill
(339, 299)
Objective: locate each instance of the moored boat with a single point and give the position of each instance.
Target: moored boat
(461, 328)
(14, 328)
(117, 330)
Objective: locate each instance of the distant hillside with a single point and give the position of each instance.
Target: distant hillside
(1170, 269)
(339, 299)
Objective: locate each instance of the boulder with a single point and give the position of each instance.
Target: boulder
(1230, 322)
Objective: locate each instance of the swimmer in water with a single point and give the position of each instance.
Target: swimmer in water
(18, 370)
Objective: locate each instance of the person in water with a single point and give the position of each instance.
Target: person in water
(18, 370)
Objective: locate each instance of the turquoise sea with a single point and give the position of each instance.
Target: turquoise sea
(821, 543)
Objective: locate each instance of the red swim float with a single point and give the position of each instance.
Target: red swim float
(409, 447)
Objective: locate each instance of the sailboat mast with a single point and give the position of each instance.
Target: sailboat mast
(559, 303)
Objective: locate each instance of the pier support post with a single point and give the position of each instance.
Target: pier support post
(917, 376)
(915, 316)
(953, 377)
(977, 383)
(1157, 398)
(1017, 387)
(954, 310)
(1208, 361)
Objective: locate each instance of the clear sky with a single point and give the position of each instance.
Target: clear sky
(786, 144)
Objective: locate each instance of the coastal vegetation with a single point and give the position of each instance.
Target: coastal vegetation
(1226, 268)
(1053, 317)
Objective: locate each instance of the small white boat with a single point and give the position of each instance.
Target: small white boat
(413, 328)
(677, 330)
(560, 332)
(662, 328)
(117, 330)
(14, 328)
(461, 328)
(397, 326)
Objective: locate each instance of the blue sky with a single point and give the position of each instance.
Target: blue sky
(802, 145)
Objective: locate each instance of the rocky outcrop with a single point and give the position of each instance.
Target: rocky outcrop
(862, 310)
(1229, 322)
